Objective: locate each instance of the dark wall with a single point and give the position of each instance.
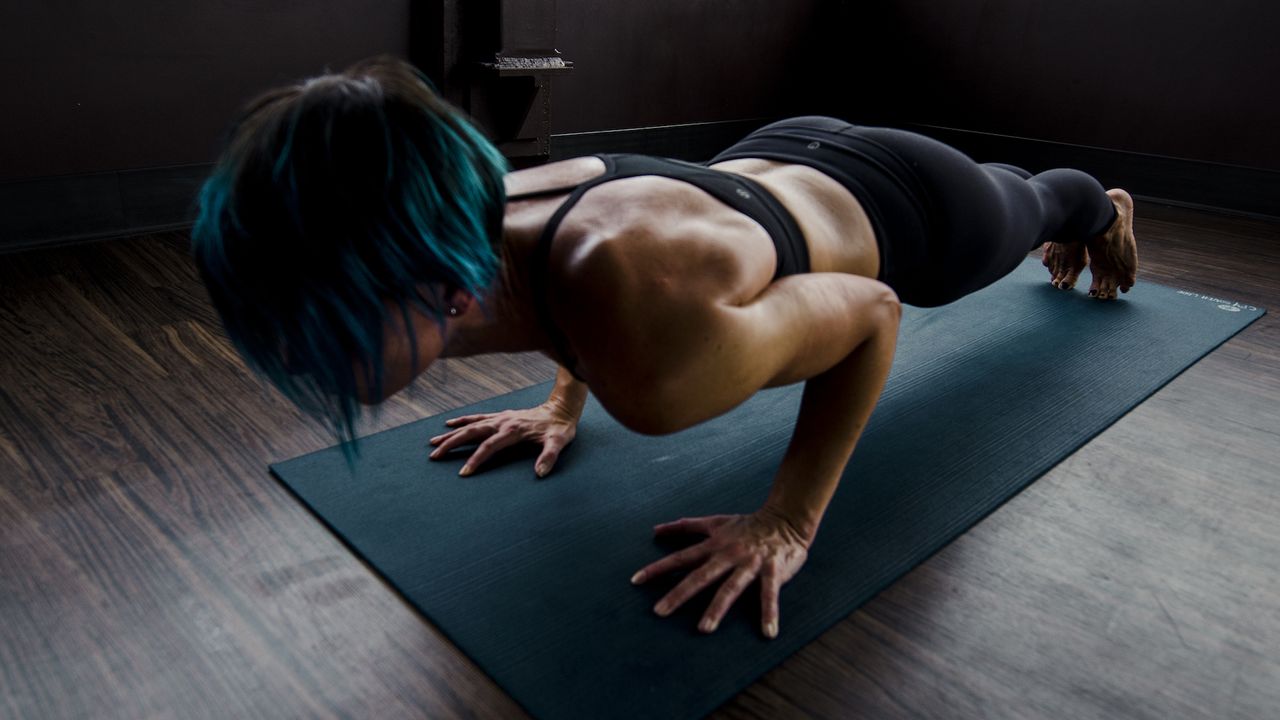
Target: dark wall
(148, 83)
(126, 84)
(1192, 79)
(139, 84)
(111, 109)
(665, 62)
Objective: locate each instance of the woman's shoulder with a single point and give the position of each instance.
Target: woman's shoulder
(562, 173)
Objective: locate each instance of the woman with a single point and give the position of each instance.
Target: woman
(357, 228)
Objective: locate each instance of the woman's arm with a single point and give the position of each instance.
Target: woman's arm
(833, 412)
(837, 331)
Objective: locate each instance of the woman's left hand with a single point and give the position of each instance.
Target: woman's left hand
(762, 544)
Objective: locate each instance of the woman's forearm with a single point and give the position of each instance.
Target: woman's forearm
(569, 394)
(833, 412)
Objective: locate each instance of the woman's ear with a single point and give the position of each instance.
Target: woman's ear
(448, 296)
(457, 298)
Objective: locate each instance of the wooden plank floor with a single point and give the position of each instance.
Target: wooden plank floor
(150, 567)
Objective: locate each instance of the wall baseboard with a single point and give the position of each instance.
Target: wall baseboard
(695, 142)
(1176, 181)
(48, 212)
(74, 209)
(1190, 183)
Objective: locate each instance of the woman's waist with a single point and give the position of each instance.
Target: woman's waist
(836, 228)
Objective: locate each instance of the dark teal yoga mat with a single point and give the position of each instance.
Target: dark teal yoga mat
(530, 577)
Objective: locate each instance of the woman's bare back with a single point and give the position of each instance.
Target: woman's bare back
(643, 268)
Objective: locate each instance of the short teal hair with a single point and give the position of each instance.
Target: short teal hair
(332, 197)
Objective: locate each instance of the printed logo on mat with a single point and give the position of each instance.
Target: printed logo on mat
(1227, 305)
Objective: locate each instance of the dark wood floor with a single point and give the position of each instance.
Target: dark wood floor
(150, 567)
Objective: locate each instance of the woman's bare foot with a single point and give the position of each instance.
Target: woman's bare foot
(1065, 261)
(1113, 255)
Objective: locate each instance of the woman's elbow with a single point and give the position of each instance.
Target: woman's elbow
(888, 307)
(659, 421)
(651, 411)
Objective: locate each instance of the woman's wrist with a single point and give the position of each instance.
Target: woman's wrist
(568, 410)
(568, 397)
(801, 522)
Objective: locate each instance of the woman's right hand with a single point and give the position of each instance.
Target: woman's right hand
(548, 424)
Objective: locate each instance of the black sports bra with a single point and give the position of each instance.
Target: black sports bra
(740, 193)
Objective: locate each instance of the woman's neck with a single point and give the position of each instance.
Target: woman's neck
(503, 320)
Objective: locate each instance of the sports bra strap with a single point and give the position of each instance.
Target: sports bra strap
(548, 192)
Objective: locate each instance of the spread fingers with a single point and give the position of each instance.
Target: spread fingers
(726, 595)
(692, 584)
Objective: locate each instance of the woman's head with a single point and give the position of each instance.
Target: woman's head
(337, 203)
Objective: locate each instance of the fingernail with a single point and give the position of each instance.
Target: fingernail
(707, 626)
(771, 630)
(660, 609)
(465, 471)
(540, 470)
(637, 578)
(433, 454)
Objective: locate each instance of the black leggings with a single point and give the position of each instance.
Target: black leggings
(945, 225)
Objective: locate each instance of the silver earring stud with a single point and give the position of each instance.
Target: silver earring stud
(453, 311)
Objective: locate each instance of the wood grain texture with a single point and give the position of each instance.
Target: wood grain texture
(150, 567)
